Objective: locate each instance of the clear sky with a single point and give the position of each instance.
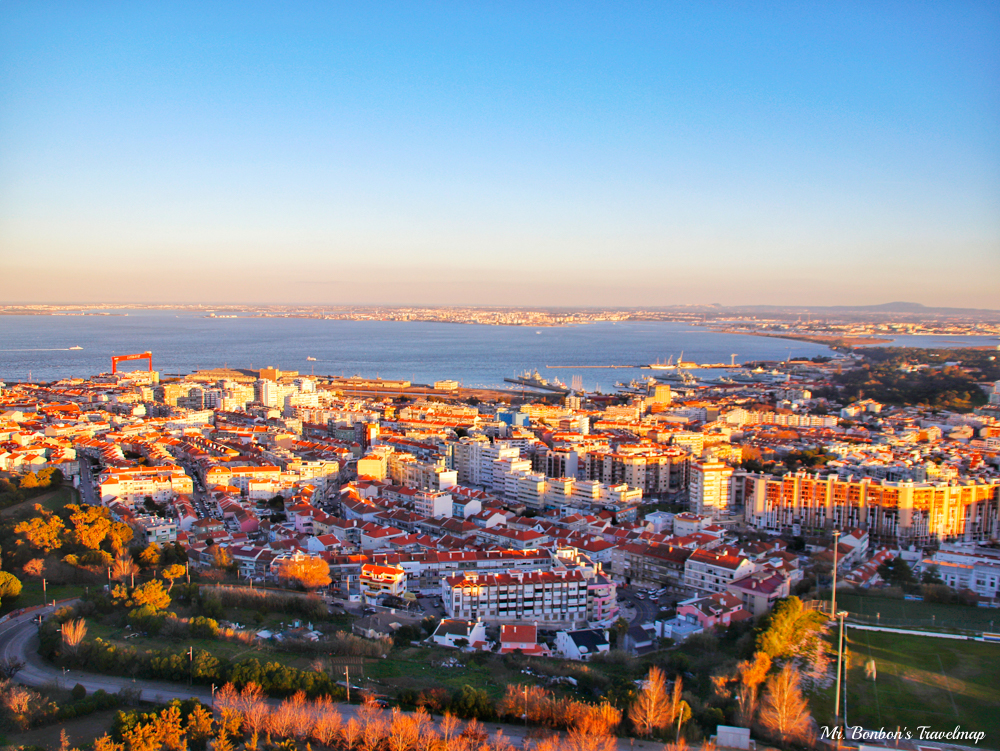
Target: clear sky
(500, 153)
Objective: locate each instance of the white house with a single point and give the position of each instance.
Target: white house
(451, 631)
(582, 644)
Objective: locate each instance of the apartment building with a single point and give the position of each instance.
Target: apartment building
(379, 581)
(131, 485)
(708, 571)
(709, 488)
(897, 514)
(549, 598)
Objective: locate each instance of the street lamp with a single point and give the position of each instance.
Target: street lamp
(833, 595)
(840, 661)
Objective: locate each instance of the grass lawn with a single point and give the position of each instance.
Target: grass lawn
(889, 611)
(414, 668)
(52, 501)
(31, 594)
(920, 680)
(222, 649)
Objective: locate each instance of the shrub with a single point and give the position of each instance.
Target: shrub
(204, 628)
(10, 585)
(79, 692)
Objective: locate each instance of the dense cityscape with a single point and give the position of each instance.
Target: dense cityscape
(521, 376)
(580, 541)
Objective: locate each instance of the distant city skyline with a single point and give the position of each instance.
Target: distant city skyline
(547, 154)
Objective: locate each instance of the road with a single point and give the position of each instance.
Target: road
(19, 638)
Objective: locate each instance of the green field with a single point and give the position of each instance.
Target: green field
(888, 611)
(52, 501)
(920, 680)
(31, 594)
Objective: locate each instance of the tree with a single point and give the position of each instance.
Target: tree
(751, 673)
(618, 631)
(788, 624)
(172, 572)
(785, 713)
(149, 556)
(651, 709)
(120, 535)
(123, 568)
(151, 594)
(73, 633)
(897, 573)
(43, 531)
(309, 572)
(931, 576)
(91, 525)
(34, 567)
(198, 727)
(222, 558)
(10, 585)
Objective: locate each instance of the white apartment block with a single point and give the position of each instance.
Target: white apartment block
(551, 598)
(709, 487)
(433, 504)
(131, 485)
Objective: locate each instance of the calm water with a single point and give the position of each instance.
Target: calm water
(478, 356)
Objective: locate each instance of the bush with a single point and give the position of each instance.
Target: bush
(79, 692)
(267, 601)
(10, 585)
(204, 628)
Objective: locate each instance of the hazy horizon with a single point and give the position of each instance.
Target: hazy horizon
(553, 154)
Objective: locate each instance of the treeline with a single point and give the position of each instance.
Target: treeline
(265, 601)
(22, 707)
(244, 718)
(938, 387)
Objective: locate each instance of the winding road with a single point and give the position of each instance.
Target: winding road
(19, 639)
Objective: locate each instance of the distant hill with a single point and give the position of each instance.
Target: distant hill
(889, 307)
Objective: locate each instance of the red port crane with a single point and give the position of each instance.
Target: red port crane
(125, 358)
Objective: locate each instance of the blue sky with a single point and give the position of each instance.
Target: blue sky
(501, 153)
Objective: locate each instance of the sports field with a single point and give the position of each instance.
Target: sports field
(888, 611)
(922, 680)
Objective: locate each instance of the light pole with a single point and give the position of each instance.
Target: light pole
(833, 595)
(840, 662)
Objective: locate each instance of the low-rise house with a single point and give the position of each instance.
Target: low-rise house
(719, 609)
(759, 591)
(523, 638)
(582, 644)
(460, 634)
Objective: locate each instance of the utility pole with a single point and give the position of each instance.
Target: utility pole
(44, 595)
(833, 596)
(347, 680)
(191, 666)
(526, 706)
(840, 662)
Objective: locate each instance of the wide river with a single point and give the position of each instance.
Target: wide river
(478, 356)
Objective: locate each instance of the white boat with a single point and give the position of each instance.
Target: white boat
(311, 359)
(77, 347)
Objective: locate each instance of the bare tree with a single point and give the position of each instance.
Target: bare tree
(751, 673)
(449, 724)
(784, 712)
(651, 709)
(351, 734)
(11, 666)
(123, 567)
(73, 633)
